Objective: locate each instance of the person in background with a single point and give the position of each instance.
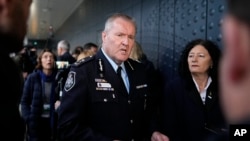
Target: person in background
(235, 67)
(137, 54)
(77, 51)
(65, 60)
(90, 47)
(23, 61)
(101, 103)
(191, 105)
(63, 53)
(32, 52)
(39, 96)
(84, 54)
(11, 41)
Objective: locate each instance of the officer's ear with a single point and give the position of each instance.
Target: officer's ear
(104, 36)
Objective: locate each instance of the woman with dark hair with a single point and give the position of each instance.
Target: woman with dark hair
(39, 96)
(191, 107)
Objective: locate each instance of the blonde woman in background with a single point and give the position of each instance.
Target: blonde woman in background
(84, 54)
(137, 54)
(89, 49)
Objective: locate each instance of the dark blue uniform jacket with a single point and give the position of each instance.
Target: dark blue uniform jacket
(95, 107)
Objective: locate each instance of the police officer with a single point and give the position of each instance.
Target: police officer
(98, 105)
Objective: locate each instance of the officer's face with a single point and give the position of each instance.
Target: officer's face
(119, 40)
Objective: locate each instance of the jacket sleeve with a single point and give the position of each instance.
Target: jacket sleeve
(27, 98)
(73, 120)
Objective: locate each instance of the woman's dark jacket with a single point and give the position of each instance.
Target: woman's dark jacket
(185, 117)
(32, 103)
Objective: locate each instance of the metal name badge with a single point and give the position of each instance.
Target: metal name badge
(141, 86)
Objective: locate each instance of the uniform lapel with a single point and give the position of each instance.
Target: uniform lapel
(110, 74)
(130, 73)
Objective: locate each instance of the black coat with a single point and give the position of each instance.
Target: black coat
(11, 124)
(185, 117)
(32, 105)
(67, 57)
(91, 112)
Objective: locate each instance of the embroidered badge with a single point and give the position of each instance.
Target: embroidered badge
(70, 82)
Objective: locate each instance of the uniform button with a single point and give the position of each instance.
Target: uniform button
(131, 121)
(129, 102)
(105, 100)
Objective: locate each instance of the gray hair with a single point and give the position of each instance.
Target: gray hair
(63, 44)
(109, 22)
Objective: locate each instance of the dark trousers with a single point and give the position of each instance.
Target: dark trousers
(44, 132)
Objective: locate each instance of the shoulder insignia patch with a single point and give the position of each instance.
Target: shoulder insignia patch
(70, 82)
(83, 60)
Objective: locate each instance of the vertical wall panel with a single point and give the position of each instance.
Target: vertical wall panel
(215, 10)
(150, 29)
(166, 38)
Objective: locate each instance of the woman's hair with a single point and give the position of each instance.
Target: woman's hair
(136, 52)
(89, 45)
(39, 58)
(213, 51)
(84, 54)
(78, 50)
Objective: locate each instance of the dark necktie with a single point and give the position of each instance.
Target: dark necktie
(119, 69)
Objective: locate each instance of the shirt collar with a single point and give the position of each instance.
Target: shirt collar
(113, 64)
(207, 85)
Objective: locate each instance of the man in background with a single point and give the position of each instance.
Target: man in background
(90, 47)
(11, 41)
(63, 53)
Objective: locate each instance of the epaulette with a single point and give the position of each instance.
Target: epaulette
(83, 61)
